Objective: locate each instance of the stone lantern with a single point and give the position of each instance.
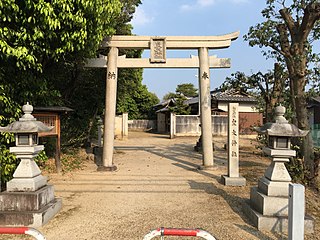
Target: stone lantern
(28, 201)
(27, 176)
(269, 201)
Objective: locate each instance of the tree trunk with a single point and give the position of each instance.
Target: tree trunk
(307, 150)
(277, 90)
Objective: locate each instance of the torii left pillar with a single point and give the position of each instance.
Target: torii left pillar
(110, 112)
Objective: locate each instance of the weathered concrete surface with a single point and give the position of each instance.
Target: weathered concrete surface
(33, 209)
(26, 201)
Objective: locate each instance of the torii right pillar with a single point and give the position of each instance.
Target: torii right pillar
(205, 108)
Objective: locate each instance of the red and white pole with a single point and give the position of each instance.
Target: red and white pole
(178, 232)
(22, 231)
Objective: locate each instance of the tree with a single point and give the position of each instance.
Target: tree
(289, 31)
(169, 95)
(183, 91)
(34, 32)
(180, 108)
(268, 87)
(187, 90)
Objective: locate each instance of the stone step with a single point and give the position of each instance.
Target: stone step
(268, 205)
(274, 223)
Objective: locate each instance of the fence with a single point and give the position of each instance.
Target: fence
(141, 124)
(189, 125)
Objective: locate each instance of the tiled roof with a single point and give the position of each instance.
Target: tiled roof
(53, 109)
(232, 95)
(226, 96)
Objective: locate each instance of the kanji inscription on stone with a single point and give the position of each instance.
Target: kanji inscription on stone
(233, 140)
(111, 75)
(158, 50)
(205, 75)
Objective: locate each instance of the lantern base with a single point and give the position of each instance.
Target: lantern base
(26, 184)
(32, 209)
(273, 188)
(274, 223)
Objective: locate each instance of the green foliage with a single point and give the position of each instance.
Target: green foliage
(127, 11)
(43, 45)
(290, 29)
(33, 32)
(180, 108)
(132, 96)
(270, 89)
(9, 112)
(183, 92)
(41, 159)
(261, 141)
(267, 34)
(9, 109)
(296, 169)
(42, 48)
(56, 37)
(187, 90)
(169, 95)
(8, 164)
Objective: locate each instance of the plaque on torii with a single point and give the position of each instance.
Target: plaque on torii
(158, 47)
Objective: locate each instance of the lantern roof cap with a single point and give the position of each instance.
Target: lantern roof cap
(281, 127)
(27, 123)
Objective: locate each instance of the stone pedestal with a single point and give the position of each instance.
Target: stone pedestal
(27, 176)
(32, 209)
(233, 181)
(26, 184)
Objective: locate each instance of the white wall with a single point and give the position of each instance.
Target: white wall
(243, 107)
(189, 125)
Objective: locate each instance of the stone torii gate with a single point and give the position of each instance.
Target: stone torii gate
(158, 47)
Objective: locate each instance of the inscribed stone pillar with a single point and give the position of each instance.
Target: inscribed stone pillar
(172, 125)
(205, 107)
(110, 112)
(233, 140)
(233, 178)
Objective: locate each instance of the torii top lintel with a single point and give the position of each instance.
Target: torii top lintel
(172, 42)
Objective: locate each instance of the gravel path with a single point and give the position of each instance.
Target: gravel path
(156, 185)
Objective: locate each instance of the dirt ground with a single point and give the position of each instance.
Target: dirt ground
(157, 184)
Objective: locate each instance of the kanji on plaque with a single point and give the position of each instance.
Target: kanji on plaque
(158, 50)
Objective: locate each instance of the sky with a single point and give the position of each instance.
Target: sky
(200, 18)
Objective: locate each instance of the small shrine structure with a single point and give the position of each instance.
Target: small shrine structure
(51, 117)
